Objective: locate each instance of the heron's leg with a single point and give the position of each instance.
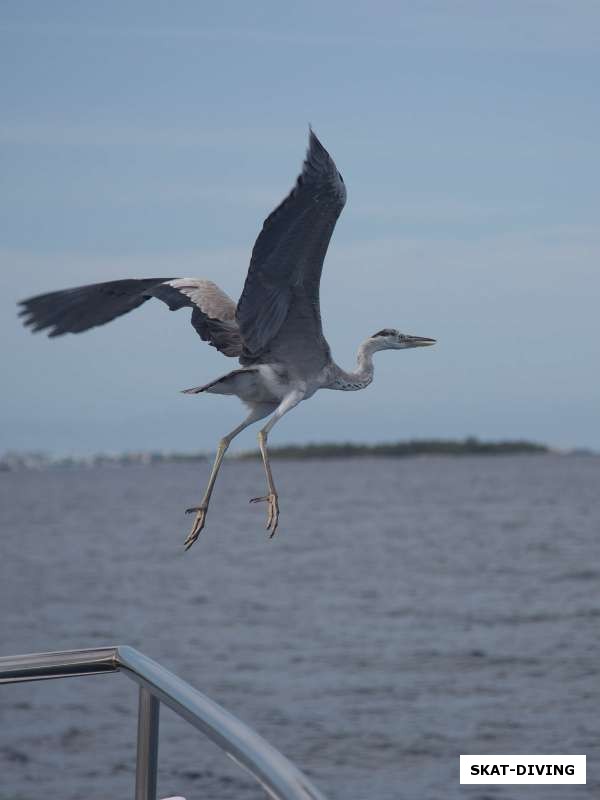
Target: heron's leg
(257, 413)
(289, 402)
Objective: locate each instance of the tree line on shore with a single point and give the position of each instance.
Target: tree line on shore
(411, 447)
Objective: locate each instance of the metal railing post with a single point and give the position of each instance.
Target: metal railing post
(147, 746)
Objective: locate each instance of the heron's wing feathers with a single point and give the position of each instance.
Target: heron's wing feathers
(287, 258)
(213, 316)
(84, 307)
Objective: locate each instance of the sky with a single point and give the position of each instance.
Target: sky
(143, 139)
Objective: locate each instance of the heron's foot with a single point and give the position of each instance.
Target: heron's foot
(197, 526)
(272, 513)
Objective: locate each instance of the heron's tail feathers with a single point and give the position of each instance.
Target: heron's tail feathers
(240, 382)
(195, 390)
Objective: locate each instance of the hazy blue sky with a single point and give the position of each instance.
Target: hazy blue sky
(145, 139)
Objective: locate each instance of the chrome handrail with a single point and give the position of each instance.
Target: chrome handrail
(278, 776)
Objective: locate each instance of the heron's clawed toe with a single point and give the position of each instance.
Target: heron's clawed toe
(197, 526)
(273, 512)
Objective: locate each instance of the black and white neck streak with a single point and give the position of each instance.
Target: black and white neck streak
(362, 376)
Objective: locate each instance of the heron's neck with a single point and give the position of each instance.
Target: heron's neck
(362, 376)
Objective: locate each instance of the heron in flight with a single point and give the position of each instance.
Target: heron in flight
(274, 331)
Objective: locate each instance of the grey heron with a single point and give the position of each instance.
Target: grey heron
(274, 330)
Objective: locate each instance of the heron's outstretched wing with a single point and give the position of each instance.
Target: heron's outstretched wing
(287, 259)
(84, 307)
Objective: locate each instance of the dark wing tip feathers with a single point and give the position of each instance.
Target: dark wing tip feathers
(36, 313)
(84, 307)
(318, 163)
(318, 167)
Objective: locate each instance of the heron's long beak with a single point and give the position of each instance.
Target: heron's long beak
(419, 341)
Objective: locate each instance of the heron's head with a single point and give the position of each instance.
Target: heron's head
(391, 339)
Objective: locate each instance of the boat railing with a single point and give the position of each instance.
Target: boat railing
(280, 778)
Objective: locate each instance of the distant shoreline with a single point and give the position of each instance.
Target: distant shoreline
(405, 449)
(470, 446)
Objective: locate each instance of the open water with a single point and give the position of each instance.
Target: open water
(408, 611)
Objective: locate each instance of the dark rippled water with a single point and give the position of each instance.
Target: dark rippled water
(409, 611)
